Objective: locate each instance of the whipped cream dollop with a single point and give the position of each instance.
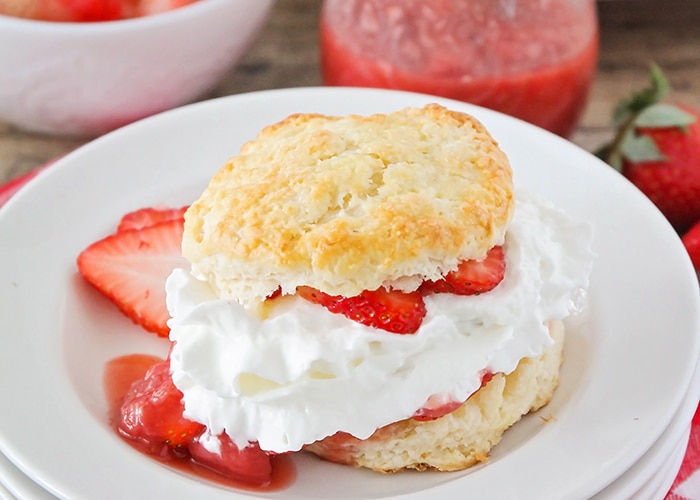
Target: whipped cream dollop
(303, 373)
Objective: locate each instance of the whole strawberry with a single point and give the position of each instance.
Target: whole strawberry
(657, 148)
(691, 240)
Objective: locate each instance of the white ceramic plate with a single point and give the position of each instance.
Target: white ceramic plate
(14, 484)
(658, 467)
(627, 369)
(5, 493)
(659, 485)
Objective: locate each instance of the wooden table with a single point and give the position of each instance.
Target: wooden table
(633, 34)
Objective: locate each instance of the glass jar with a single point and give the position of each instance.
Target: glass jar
(532, 59)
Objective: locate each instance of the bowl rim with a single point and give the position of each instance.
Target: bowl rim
(177, 15)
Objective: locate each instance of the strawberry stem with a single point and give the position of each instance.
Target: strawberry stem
(625, 118)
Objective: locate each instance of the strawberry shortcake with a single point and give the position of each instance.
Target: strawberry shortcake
(371, 289)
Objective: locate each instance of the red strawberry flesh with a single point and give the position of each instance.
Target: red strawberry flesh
(250, 464)
(152, 413)
(145, 217)
(93, 10)
(691, 241)
(436, 407)
(130, 268)
(657, 147)
(672, 183)
(390, 310)
(472, 277)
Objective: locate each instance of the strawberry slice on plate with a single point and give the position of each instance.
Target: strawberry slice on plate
(131, 267)
(149, 216)
(472, 277)
(390, 310)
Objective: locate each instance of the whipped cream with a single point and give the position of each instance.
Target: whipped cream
(303, 373)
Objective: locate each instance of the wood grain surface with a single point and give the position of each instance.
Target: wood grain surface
(633, 34)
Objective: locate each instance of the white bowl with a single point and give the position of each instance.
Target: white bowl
(90, 78)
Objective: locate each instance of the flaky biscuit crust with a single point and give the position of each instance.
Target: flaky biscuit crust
(464, 437)
(346, 204)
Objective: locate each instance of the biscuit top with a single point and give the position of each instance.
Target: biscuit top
(346, 204)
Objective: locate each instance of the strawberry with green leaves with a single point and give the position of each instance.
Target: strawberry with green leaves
(657, 148)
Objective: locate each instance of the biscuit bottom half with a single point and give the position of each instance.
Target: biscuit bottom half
(463, 437)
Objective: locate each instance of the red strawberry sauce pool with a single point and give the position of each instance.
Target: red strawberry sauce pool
(122, 371)
(537, 66)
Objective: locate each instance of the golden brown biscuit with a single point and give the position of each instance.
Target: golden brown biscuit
(346, 204)
(464, 437)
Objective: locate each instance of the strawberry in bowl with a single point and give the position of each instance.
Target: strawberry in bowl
(86, 67)
(78, 11)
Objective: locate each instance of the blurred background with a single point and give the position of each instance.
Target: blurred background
(633, 33)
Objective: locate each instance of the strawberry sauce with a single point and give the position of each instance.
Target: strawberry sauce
(535, 63)
(121, 372)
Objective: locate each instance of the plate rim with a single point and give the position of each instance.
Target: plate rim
(70, 163)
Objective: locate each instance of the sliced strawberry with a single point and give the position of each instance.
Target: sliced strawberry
(250, 464)
(434, 409)
(130, 268)
(691, 240)
(390, 310)
(152, 413)
(472, 277)
(145, 217)
(437, 407)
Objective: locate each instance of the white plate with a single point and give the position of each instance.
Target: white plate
(659, 466)
(5, 494)
(648, 479)
(659, 485)
(14, 484)
(627, 367)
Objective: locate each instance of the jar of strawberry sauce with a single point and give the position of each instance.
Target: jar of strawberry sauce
(532, 59)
